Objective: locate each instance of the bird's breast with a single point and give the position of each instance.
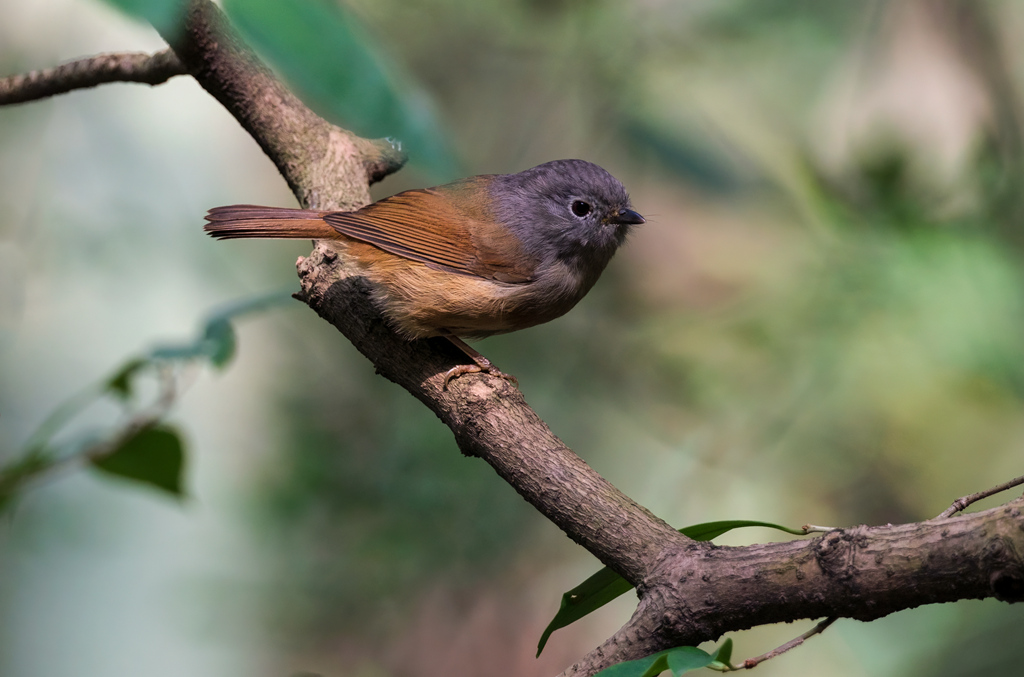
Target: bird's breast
(420, 301)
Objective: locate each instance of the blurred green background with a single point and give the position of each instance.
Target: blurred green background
(821, 322)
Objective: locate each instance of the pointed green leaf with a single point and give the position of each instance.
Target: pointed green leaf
(590, 595)
(679, 660)
(711, 530)
(685, 658)
(638, 668)
(724, 653)
(606, 585)
(153, 456)
(659, 666)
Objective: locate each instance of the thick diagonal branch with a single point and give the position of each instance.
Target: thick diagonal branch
(150, 69)
(863, 572)
(491, 420)
(327, 168)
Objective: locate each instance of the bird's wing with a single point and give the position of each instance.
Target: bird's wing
(449, 228)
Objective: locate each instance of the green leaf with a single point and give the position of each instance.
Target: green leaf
(120, 384)
(606, 585)
(679, 660)
(711, 530)
(164, 15)
(219, 342)
(637, 668)
(659, 666)
(724, 653)
(588, 596)
(685, 658)
(153, 456)
(325, 55)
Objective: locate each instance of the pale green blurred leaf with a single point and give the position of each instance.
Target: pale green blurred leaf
(219, 342)
(324, 53)
(164, 15)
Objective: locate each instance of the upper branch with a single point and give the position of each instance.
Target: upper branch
(97, 70)
(325, 166)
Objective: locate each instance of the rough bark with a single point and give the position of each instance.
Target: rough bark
(325, 166)
(862, 572)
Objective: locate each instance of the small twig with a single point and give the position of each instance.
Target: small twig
(964, 501)
(817, 629)
(124, 67)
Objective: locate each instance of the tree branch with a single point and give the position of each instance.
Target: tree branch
(491, 420)
(326, 167)
(149, 69)
(862, 572)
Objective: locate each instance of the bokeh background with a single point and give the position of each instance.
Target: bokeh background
(821, 322)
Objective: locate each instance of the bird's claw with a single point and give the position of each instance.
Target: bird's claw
(490, 369)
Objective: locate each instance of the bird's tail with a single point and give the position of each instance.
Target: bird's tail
(238, 221)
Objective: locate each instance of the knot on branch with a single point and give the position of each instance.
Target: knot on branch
(329, 282)
(836, 553)
(1007, 577)
(382, 157)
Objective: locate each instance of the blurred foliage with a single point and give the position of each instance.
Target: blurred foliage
(163, 14)
(372, 505)
(141, 448)
(325, 54)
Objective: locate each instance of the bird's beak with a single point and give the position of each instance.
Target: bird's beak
(626, 216)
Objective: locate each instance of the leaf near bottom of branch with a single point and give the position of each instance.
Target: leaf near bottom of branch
(606, 585)
(679, 660)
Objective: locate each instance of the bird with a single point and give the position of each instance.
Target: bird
(483, 255)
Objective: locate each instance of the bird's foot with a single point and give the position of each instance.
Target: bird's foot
(477, 368)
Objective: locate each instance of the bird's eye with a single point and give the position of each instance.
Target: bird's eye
(581, 208)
